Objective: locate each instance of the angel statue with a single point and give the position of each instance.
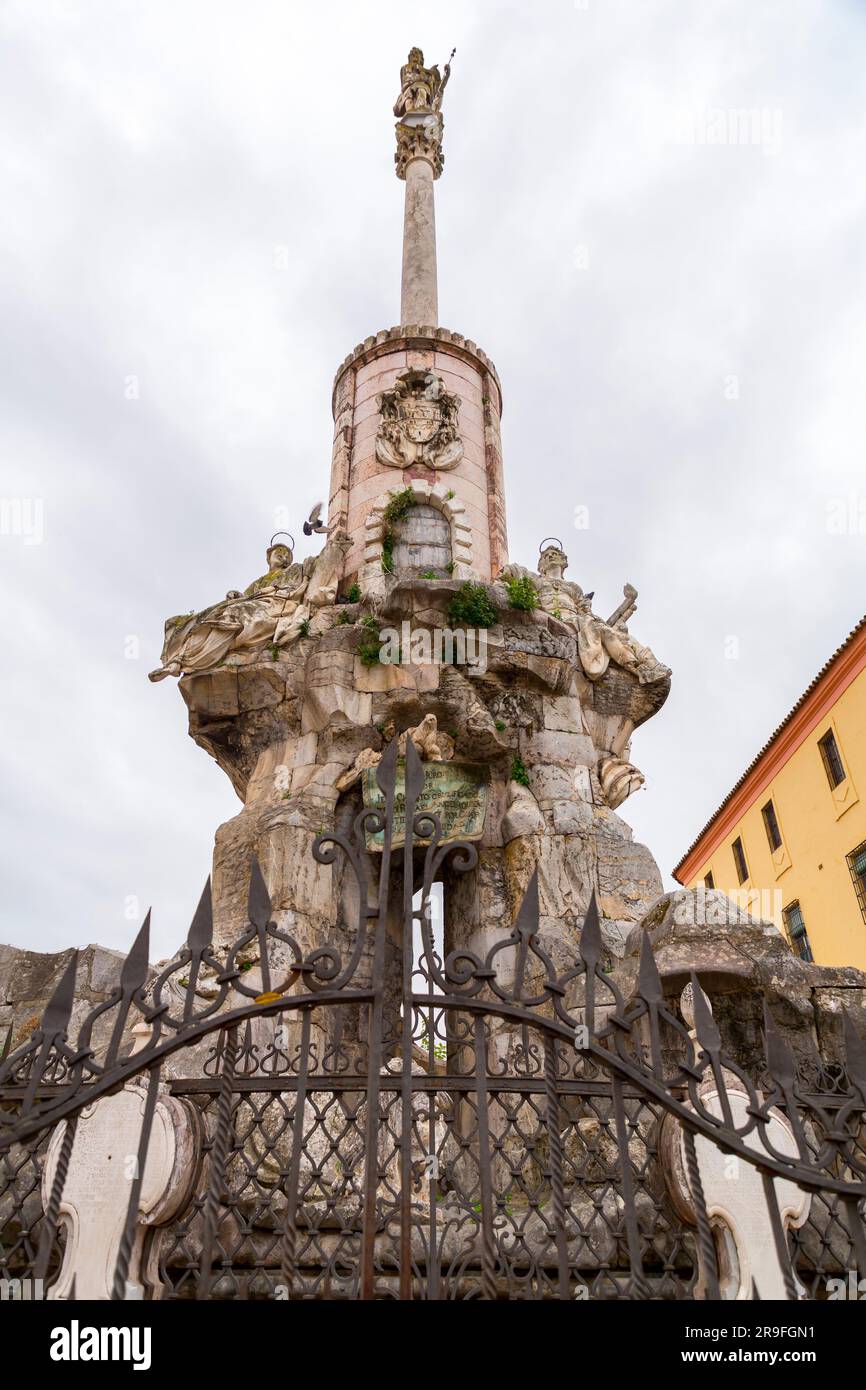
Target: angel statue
(421, 89)
(598, 642)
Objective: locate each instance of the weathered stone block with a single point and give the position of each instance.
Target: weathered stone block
(563, 713)
(557, 747)
(260, 688)
(213, 694)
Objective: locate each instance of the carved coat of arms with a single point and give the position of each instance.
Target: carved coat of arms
(418, 423)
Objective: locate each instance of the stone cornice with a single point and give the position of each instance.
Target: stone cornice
(417, 338)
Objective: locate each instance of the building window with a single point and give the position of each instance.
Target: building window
(709, 881)
(857, 865)
(796, 929)
(771, 825)
(833, 765)
(740, 860)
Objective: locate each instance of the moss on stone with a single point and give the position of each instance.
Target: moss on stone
(519, 772)
(473, 606)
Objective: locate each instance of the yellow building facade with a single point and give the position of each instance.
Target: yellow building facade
(789, 840)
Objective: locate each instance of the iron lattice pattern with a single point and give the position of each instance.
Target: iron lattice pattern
(484, 1219)
(493, 1127)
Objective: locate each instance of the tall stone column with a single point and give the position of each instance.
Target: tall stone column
(419, 300)
(419, 161)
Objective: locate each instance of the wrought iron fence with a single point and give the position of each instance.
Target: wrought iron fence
(476, 1127)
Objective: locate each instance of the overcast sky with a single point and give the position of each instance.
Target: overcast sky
(200, 219)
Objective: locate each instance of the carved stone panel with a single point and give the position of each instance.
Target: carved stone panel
(418, 423)
(456, 792)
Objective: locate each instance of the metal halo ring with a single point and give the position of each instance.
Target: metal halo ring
(559, 545)
(282, 533)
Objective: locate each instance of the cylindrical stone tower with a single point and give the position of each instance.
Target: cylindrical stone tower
(417, 406)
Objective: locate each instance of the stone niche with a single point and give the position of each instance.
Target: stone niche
(423, 541)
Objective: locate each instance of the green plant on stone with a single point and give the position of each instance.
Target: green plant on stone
(500, 725)
(428, 574)
(304, 628)
(400, 503)
(473, 606)
(354, 594)
(370, 645)
(519, 772)
(522, 593)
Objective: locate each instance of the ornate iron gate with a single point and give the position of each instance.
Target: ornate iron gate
(465, 1127)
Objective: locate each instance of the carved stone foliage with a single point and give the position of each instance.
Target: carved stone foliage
(419, 423)
(420, 137)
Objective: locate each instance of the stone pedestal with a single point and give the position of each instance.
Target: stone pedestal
(96, 1192)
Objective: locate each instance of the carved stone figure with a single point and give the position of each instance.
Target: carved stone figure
(421, 88)
(270, 611)
(618, 780)
(598, 642)
(326, 571)
(200, 641)
(419, 112)
(433, 745)
(419, 423)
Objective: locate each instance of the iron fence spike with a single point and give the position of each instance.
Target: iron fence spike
(780, 1061)
(706, 1028)
(649, 980)
(414, 773)
(258, 900)
(134, 972)
(200, 932)
(590, 937)
(58, 1010)
(855, 1053)
(386, 772)
(527, 916)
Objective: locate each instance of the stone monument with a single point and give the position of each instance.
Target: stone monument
(521, 703)
(288, 686)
